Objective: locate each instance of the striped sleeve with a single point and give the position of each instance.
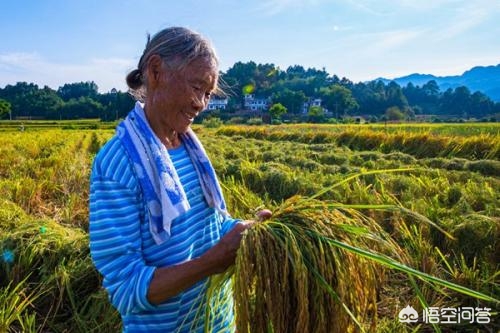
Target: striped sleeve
(115, 241)
(228, 224)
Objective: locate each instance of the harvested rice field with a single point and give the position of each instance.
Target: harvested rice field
(376, 228)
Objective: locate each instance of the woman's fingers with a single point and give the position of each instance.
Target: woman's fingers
(264, 214)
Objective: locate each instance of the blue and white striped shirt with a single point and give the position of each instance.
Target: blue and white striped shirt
(125, 253)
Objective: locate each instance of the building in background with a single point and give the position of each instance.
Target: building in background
(255, 104)
(216, 103)
(312, 102)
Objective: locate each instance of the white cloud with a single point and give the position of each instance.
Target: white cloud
(369, 6)
(464, 20)
(380, 43)
(107, 73)
(424, 5)
(384, 41)
(384, 7)
(17, 59)
(273, 7)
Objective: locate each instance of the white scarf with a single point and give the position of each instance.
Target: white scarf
(162, 190)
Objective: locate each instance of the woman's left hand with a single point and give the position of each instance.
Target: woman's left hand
(263, 214)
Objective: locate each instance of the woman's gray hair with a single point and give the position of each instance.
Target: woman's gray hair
(177, 46)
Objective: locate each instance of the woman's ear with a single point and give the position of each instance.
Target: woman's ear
(154, 70)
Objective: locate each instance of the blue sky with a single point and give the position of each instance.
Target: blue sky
(52, 42)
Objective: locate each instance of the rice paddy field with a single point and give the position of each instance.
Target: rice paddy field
(368, 220)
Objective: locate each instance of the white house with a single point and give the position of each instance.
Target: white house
(253, 103)
(311, 102)
(217, 103)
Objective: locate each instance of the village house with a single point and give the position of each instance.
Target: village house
(255, 104)
(216, 103)
(312, 102)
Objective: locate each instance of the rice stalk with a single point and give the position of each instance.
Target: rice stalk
(14, 303)
(286, 268)
(319, 267)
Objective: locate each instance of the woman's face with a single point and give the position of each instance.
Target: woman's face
(182, 94)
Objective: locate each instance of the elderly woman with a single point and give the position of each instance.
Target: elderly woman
(158, 221)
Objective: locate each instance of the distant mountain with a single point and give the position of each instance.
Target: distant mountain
(486, 79)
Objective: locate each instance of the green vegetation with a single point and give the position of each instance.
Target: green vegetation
(424, 196)
(295, 88)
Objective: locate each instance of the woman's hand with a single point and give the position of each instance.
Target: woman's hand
(223, 254)
(264, 214)
(169, 281)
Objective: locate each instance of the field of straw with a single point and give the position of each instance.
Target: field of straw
(367, 221)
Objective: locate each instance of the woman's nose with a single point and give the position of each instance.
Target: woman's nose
(198, 103)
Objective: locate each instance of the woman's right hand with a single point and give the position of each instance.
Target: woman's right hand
(223, 254)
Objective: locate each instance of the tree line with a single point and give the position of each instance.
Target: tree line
(342, 97)
(71, 101)
(290, 88)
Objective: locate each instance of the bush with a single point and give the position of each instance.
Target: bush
(63, 285)
(455, 164)
(453, 195)
(236, 120)
(333, 159)
(485, 167)
(402, 157)
(255, 121)
(475, 237)
(212, 122)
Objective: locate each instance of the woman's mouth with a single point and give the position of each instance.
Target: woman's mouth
(190, 116)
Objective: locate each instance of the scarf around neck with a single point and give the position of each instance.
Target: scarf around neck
(163, 193)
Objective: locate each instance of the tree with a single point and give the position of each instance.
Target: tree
(77, 90)
(83, 107)
(431, 88)
(28, 100)
(293, 101)
(21, 97)
(480, 105)
(295, 71)
(338, 99)
(395, 96)
(425, 99)
(5, 108)
(277, 110)
(394, 113)
(116, 105)
(316, 114)
(46, 103)
(239, 76)
(457, 102)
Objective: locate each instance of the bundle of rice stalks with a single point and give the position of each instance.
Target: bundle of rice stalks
(289, 278)
(320, 266)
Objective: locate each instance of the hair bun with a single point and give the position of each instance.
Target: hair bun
(134, 79)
